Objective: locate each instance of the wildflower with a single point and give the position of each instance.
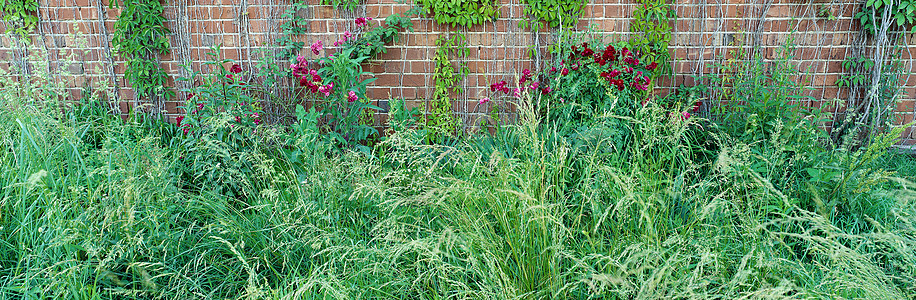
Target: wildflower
(360, 22)
(236, 69)
(575, 67)
(652, 66)
(351, 97)
(347, 36)
(609, 53)
(200, 106)
(178, 120)
(696, 106)
(545, 90)
(316, 47)
(190, 95)
(484, 100)
(238, 119)
(526, 75)
(685, 115)
(229, 76)
(565, 71)
(313, 72)
(553, 69)
(534, 85)
(614, 73)
(518, 93)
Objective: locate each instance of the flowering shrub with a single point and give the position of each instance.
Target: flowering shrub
(335, 80)
(591, 78)
(219, 100)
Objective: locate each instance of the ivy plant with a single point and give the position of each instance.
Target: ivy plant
(140, 34)
(442, 121)
(903, 13)
(552, 12)
(348, 5)
(461, 12)
(651, 26)
(372, 42)
(19, 15)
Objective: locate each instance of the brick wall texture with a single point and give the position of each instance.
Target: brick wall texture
(704, 32)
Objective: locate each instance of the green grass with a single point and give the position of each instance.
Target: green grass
(96, 208)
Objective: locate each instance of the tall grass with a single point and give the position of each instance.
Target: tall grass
(94, 207)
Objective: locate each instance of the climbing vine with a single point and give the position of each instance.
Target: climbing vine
(651, 27)
(19, 15)
(460, 12)
(901, 12)
(442, 121)
(347, 5)
(554, 13)
(140, 34)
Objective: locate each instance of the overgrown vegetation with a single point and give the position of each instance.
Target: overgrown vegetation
(141, 35)
(443, 123)
(552, 13)
(599, 190)
(20, 16)
(461, 12)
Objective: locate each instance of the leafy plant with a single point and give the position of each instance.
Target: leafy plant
(461, 12)
(902, 13)
(553, 13)
(140, 33)
(20, 16)
(442, 121)
(590, 78)
(348, 5)
(372, 42)
(291, 29)
(651, 27)
(219, 94)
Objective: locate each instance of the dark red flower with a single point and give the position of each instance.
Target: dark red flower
(236, 68)
(652, 66)
(178, 120)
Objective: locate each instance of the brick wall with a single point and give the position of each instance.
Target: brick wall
(705, 30)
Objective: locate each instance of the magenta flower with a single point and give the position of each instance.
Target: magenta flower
(351, 96)
(565, 71)
(236, 69)
(316, 47)
(518, 93)
(361, 22)
(347, 36)
(484, 100)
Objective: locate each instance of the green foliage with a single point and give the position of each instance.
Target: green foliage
(461, 12)
(347, 5)
(97, 207)
(20, 16)
(902, 13)
(553, 13)
(400, 118)
(141, 35)
(651, 28)
(220, 117)
(856, 79)
(291, 29)
(442, 122)
(372, 42)
(589, 78)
